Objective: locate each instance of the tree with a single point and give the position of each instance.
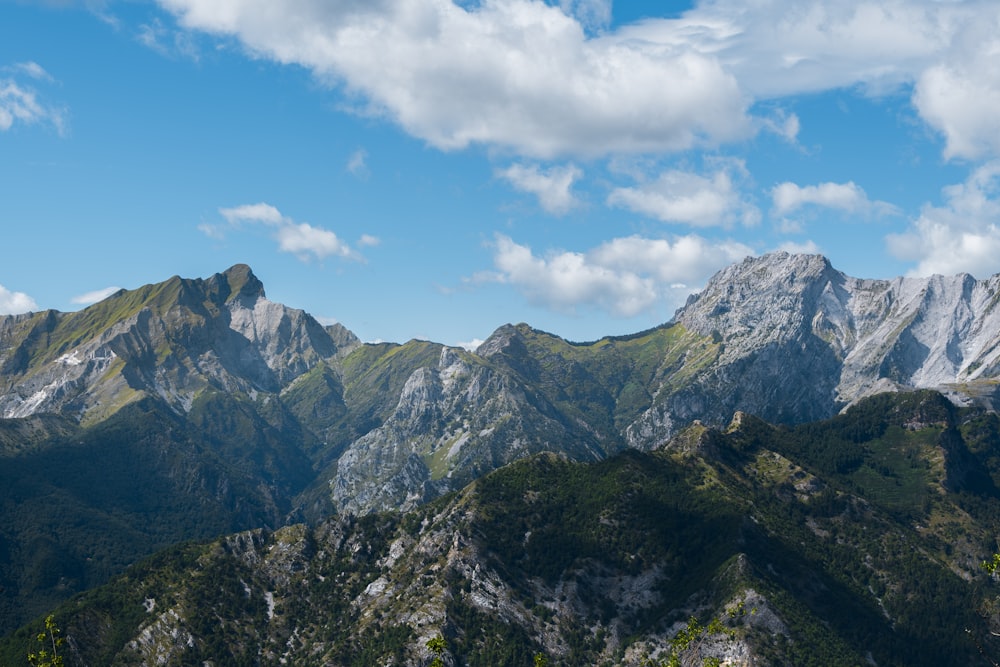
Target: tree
(437, 646)
(48, 654)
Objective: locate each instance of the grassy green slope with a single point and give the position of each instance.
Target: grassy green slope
(607, 383)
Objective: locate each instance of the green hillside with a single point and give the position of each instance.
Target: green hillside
(846, 542)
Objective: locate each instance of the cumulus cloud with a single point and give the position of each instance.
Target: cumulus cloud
(551, 79)
(517, 74)
(960, 96)
(263, 213)
(12, 303)
(552, 186)
(95, 296)
(963, 236)
(777, 48)
(20, 103)
(848, 197)
(625, 276)
(301, 239)
(689, 198)
(470, 345)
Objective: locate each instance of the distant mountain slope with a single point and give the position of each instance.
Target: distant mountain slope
(171, 340)
(305, 420)
(847, 542)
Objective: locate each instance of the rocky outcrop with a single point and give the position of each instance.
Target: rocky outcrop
(798, 340)
(452, 423)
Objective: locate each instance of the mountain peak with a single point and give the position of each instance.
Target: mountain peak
(242, 282)
(777, 266)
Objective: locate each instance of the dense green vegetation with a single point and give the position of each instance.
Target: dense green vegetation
(804, 554)
(83, 503)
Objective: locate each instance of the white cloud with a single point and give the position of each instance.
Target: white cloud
(550, 79)
(963, 236)
(34, 70)
(471, 345)
(369, 240)
(960, 97)
(167, 41)
(12, 303)
(848, 197)
(95, 296)
(776, 48)
(625, 276)
(21, 104)
(552, 186)
(685, 197)
(785, 125)
(357, 164)
(301, 239)
(787, 47)
(263, 213)
(517, 74)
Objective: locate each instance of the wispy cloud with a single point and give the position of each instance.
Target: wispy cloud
(21, 103)
(168, 41)
(33, 70)
(357, 164)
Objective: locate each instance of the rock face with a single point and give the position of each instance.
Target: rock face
(172, 340)
(816, 337)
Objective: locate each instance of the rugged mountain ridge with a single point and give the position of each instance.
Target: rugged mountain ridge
(259, 415)
(805, 556)
(171, 340)
(937, 332)
(798, 340)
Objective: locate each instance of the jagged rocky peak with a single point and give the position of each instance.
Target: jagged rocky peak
(761, 293)
(170, 339)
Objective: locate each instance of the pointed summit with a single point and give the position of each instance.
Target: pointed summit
(242, 282)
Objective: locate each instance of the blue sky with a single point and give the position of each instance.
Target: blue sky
(437, 168)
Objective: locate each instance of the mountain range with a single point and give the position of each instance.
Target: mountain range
(196, 407)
